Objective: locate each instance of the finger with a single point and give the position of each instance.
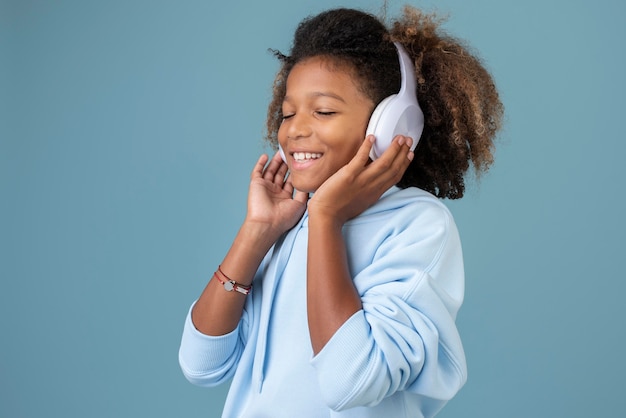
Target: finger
(402, 157)
(288, 187)
(363, 154)
(301, 197)
(392, 164)
(400, 143)
(401, 146)
(279, 178)
(278, 157)
(257, 171)
(272, 167)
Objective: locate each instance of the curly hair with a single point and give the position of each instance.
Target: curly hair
(461, 105)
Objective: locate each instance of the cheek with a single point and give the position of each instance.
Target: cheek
(353, 140)
(345, 152)
(354, 148)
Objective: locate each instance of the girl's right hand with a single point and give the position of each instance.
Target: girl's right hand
(272, 204)
(273, 208)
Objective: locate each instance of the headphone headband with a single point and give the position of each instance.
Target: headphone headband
(407, 70)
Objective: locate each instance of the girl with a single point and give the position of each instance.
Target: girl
(343, 304)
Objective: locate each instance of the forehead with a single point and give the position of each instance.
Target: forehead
(324, 74)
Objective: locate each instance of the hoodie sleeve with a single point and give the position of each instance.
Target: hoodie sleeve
(405, 337)
(208, 360)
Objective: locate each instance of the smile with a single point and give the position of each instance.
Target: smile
(301, 157)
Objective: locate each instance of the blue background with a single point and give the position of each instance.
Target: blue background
(127, 133)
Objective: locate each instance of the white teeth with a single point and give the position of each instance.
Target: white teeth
(305, 156)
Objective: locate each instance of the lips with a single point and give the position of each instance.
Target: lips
(301, 157)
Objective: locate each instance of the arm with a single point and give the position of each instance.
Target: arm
(272, 210)
(331, 296)
(210, 346)
(407, 267)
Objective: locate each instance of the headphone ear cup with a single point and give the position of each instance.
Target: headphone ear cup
(376, 127)
(398, 115)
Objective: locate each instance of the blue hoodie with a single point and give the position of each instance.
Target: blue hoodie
(399, 356)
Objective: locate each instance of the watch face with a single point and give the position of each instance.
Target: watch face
(229, 286)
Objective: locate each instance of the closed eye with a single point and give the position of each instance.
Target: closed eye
(325, 113)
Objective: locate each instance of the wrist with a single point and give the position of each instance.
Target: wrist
(320, 218)
(257, 235)
(229, 284)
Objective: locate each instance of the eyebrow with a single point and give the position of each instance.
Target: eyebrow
(321, 94)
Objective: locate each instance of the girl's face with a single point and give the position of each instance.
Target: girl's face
(325, 116)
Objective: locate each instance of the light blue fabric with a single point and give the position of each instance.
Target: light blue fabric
(400, 356)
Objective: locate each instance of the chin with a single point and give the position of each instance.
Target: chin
(307, 187)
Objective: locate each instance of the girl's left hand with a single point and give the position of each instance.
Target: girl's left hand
(359, 184)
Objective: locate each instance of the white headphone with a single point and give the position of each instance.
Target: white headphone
(398, 114)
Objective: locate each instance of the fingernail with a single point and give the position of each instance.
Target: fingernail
(410, 155)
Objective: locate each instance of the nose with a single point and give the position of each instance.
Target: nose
(297, 126)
